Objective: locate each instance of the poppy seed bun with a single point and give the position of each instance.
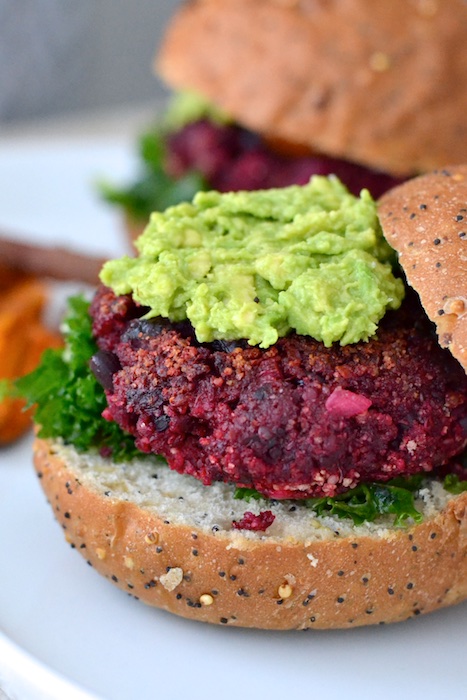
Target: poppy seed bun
(425, 220)
(381, 84)
(168, 540)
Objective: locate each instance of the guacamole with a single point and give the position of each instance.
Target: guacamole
(256, 265)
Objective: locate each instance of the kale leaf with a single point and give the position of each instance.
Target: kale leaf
(67, 397)
(365, 502)
(368, 501)
(153, 189)
(246, 494)
(454, 485)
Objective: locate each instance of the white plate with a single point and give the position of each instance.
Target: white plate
(66, 633)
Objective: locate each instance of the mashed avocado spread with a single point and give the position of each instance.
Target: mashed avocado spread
(256, 265)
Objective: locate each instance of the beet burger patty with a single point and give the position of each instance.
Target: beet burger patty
(295, 420)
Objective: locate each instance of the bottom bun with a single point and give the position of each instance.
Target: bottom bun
(169, 541)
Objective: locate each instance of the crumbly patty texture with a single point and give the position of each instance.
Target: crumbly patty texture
(296, 420)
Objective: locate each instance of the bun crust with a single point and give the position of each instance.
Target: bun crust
(151, 532)
(380, 84)
(425, 220)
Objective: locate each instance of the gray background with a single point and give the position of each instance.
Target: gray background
(60, 56)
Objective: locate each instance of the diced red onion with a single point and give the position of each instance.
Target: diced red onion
(346, 404)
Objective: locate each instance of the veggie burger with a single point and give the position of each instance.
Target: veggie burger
(268, 93)
(260, 419)
(257, 421)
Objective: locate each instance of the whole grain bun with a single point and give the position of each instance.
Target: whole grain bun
(378, 83)
(168, 540)
(425, 220)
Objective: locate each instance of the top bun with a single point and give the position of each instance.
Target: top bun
(379, 83)
(425, 220)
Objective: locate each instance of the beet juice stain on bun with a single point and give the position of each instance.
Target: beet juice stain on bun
(311, 426)
(269, 93)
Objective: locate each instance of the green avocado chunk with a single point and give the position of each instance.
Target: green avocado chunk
(256, 265)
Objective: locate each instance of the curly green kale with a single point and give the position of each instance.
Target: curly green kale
(68, 399)
(153, 189)
(367, 502)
